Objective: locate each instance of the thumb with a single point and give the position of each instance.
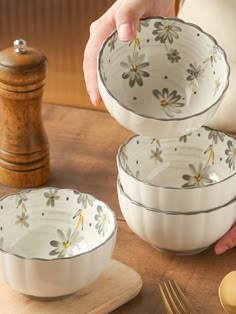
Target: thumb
(227, 242)
(127, 18)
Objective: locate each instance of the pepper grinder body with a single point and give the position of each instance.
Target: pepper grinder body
(24, 147)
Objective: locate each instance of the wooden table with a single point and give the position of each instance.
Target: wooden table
(83, 145)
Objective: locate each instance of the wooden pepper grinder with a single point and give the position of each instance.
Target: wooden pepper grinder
(24, 149)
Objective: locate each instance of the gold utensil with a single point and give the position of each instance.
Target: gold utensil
(227, 292)
(174, 299)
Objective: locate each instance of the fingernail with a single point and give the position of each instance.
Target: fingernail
(221, 249)
(93, 99)
(125, 31)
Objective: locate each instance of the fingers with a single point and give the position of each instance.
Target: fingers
(123, 15)
(227, 242)
(128, 15)
(129, 12)
(99, 30)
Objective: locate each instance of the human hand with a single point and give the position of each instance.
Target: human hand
(123, 15)
(227, 242)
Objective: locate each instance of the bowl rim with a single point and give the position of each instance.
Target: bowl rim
(173, 213)
(119, 164)
(113, 233)
(193, 25)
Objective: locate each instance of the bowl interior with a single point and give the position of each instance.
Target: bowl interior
(201, 158)
(170, 70)
(51, 223)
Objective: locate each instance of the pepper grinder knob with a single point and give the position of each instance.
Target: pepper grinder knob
(19, 46)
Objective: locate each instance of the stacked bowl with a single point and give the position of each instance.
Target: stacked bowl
(178, 193)
(176, 178)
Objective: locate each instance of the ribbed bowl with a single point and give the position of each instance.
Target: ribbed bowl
(189, 173)
(177, 233)
(54, 242)
(168, 81)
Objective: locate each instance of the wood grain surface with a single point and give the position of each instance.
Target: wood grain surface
(24, 151)
(60, 29)
(83, 145)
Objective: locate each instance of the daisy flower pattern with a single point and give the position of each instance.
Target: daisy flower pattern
(113, 41)
(156, 154)
(124, 160)
(169, 101)
(156, 142)
(22, 220)
(102, 221)
(184, 138)
(134, 67)
(142, 23)
(166, 31)
(85, 200)
(173, 55)
(193, 71)
(215, 54)
(215, 136)
(231, 153)
(198, 177)
(68, 244)
(52, 197)
(21, 198)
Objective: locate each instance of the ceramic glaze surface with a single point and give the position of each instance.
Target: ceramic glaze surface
(54, 229)
(218, 18)
(170, 72)
(181, 173)
(177, 233)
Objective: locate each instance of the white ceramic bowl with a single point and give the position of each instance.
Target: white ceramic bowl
(53, 242)
(189, 173)
(177, 233)
(168, 81)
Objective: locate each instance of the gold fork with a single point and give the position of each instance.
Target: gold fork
(174, 299)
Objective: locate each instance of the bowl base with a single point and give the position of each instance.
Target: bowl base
(189, 252)
(48, 299)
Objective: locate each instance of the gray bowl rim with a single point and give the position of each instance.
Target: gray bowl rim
(171, 187)
(167, 119)
(174, 213)
(113, 233)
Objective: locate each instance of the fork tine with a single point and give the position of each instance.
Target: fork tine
(174, 299)
(167, 299)
(186, 302)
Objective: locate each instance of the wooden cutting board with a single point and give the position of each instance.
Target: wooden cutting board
(116, 286)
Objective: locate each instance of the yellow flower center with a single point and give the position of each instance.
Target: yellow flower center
(198, 178)
(164, 103)
(234, 151)
(169, 28)
(66, 244)
(105, 218)
(134, 68)
(156, 155)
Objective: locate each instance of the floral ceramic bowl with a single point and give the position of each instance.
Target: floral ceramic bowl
(168, 81)
(188, 173)
(177, 233)
(53, 242)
